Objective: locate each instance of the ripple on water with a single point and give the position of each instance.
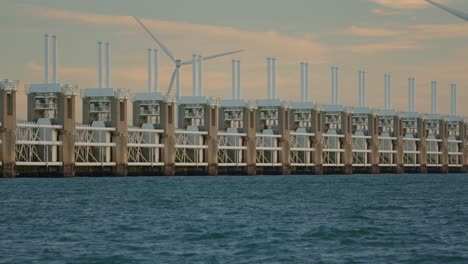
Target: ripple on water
(355, 219)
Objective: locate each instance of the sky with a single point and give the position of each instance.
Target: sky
(406, 38)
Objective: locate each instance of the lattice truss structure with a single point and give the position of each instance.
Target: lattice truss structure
(454, 144)
(360, 125)
(93, 145)
(301, 151)
(143, 146)
(386, 149)
(386, 152)
(332, 150)
(360, 151)
(267, 149)
(189, 147)
(410, 153)
(410, 146)
(36, 145)
(230, 149)
(433, 153)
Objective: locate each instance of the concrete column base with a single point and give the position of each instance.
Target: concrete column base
(213, 170)
(399, 169)
(68, 170)
(375, 169)
(251, 170)
(423, 169)
(286, 170)
(444, 169)
(120, 170)
(169, 170)
(9, 170)
(348, 169)
(318, 170)
(464, 169)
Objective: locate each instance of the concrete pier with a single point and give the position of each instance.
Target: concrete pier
(168, 119)
(211, 155)
(66, 116)
(284, 128)
(317, 142)
(120, 135)
(250, 114)
(8, 91)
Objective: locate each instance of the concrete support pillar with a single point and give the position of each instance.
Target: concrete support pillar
(250, 154)
(7, 132)
(444, 146)
(317, 143)
(285, 144)
(120, 135)
(211, 140)
(464, 138)
(400, 168)
(67, 134)
(346, 124)
(374, 144)
(168, 121)
(422, 146)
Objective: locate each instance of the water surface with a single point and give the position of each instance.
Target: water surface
(304, 219)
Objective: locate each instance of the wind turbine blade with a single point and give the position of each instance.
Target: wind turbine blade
(188, 62)
(164, 48)
(221, 55)
(452, 11)
(171, 83)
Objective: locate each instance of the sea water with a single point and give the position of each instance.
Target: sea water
(288, 219)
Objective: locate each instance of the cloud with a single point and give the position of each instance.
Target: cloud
(370, 32)
(208, 38)
(405, 4)
(383, 47)
(412, 32)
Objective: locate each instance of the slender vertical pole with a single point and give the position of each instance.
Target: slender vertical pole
(409, 94)
(194, 75)
(46, 58)
(433, 97)
(386, 91)
(150, 72)
(273, 81)
(412, 95)
(200, 75)
(333, 85)
(269, 77)
(234, 79)
(302, 82)
(306, 87)
(156, 70)
(389, 97)
(238, 80)
(337, 86)
(178, 83)
(108, 68)
(360, 88)
(454, 99)
(363, 88)
(99, 64)
(54, 59)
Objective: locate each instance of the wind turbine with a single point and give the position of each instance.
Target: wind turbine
(179, 63)
(452, 11)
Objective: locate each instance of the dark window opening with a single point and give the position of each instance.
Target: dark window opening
(169, 112)
(122, 111)
(9, 104)
(213, 117)
(69, 108)
(251, 119)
